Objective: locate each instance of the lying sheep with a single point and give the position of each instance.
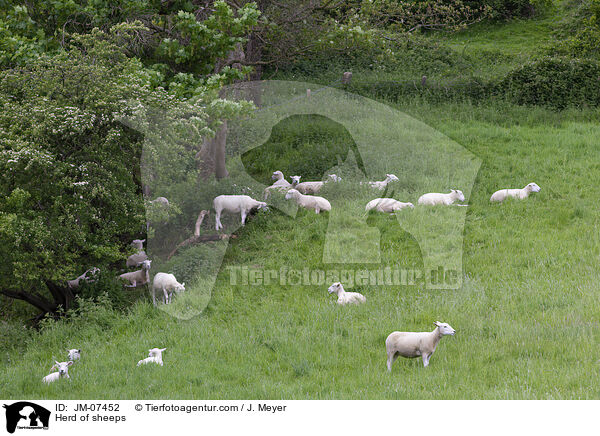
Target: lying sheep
(154, 356)
(308, 201)
(138, 243)
(383, 184)
(520, 194)
(63, 372)
(235, 203)
(74, 354)
(433, 199)
(86, 277)
(312, 187)
(139, 277)
(413, 344)
(167, 284)
(280, 184)
(346, 297)
(388, 205)
(135, 259)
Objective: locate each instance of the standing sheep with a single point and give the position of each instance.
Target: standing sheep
(433, 199)
(308, 201)
(520, 194)
(413, 344)
(388, 205)
(346, 297)
(139, 277)
(167, 284)
(235, 203)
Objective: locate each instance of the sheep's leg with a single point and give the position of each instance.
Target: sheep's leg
(154, 296)
(426, 357)
(244, 214)
(317, 210)
(390, 360)
(218, 224)
(165, 296)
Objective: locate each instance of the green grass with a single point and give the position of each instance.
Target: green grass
(527, 315)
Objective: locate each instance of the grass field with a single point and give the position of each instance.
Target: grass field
(527, 314)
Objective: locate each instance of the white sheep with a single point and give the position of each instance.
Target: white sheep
(388, 205)
(415, 344)
(308, 201)
(312, 187)
(346, 297)
(87, 277)
(382, 185)
(235, 203)
(138, 243)
(435, 198)
(135, 259)
(154, 356)
(167, 284)
(139, 277)
(74, 354)
(63, 372)
(520, 194)
(280, 184)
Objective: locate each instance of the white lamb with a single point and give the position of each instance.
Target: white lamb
(154, 356)
(312, 187)
(136, 259)
(388, 205)
(308, 201)
(520, 194)
(382, 185)
(167, 284)
(87, 277)
(63, 372)
(139, 277)
(235, 203)
(433, 199)
(415, 344)
(346, 297)
(74, 354)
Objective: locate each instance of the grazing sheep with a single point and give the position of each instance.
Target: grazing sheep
(312, 187)
(433, 199)
(167, 283)
(308, 201)
(203, 214)
(87, 277)
(345, 297)
(235, 203)
(388, 205)
(160, 200)
(520, 194)
(63, 372)
(154, 356)
(383, 184)
(135, 259)
(138, 243)
(74, 354)
(415, 344)
(139, 277)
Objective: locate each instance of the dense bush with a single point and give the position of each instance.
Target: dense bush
(578, 34)
(553, 82)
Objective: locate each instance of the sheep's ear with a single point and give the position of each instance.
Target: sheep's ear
(69, 363)
(162, 349)
(437, 323)
(79, 351)
(57, 362)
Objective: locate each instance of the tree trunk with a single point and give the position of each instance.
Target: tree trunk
(220, 141)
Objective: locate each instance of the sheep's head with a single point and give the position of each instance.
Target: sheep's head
(335, 288)
(277, 175)
(412, 206)
(291, 194)
(532, 187)
(392, 178)
(296, 180)
(74, 354)
(180, 287)
(458, 195)
(145, 264)
(156, 352)
(445, 328)
(335, 178)
(63, 367)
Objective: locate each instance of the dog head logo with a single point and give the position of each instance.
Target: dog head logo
(26, 415)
